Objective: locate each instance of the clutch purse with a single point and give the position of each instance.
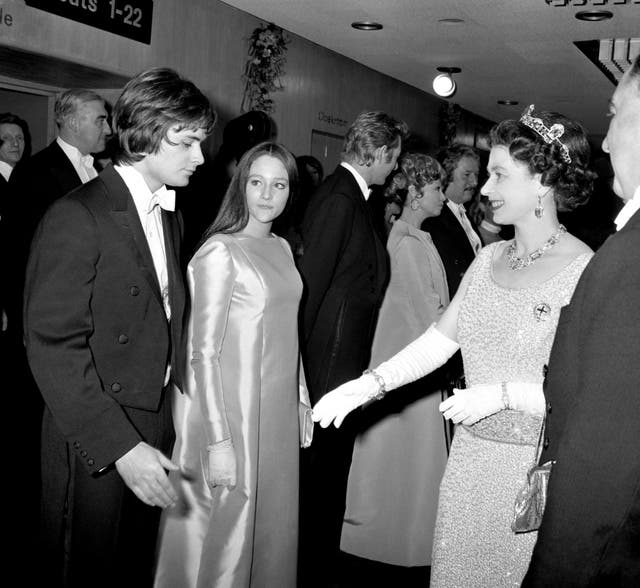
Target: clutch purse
(306, 425)
(532, 497)
(304, 411)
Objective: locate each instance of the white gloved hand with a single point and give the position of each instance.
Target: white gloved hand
(526, 397)
(470, 405)
(337, 404)
(428, 352)
(222, 464)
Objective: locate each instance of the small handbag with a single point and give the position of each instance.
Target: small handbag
(532, 497)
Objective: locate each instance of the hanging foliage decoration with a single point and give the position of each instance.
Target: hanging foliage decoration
(450, 114)
(264, 68)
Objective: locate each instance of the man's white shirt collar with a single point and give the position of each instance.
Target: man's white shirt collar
(5, 170)
(628, 210)
(83, 164)
(141, 193)
(73, 153)
(363, 185)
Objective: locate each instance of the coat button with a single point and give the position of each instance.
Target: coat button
(90, 462)
(134, 290)
(83, 453)
(546, 442)
(116, 387)
(122, 339)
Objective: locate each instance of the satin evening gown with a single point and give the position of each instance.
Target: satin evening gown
(505, 335)
(242, 382)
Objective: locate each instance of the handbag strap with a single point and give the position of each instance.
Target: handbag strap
(541, 437)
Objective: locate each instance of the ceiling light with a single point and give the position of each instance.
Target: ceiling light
(508, 102)
(366, 25)
(443, 84)
(594, 15)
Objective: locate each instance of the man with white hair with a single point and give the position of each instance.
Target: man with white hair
(63, 165)
(590, 532)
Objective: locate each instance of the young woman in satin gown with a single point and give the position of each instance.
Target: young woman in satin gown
(237, 424)
(503, 318)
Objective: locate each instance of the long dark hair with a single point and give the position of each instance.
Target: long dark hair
(234, 213)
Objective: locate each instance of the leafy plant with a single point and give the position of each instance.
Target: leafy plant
(264, 68)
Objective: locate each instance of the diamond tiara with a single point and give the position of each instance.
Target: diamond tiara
(550, 135)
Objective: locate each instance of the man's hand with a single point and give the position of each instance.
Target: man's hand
(143, 471)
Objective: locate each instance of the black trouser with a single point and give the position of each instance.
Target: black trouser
(323, 489)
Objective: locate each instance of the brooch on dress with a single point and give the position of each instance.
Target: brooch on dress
(541, 312)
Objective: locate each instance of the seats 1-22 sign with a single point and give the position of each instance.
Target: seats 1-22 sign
(127, 18)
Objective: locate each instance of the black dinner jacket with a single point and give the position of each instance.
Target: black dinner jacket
(97, 337)
(39, 180)
(35, 183)
(590, 533)
(345, 271)
(452, 244)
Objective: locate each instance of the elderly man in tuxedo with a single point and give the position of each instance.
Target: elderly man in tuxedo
(344, 269)
(590, 532)
(104, 310)
(65, 164)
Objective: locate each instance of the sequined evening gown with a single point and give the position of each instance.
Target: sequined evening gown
(505, 335)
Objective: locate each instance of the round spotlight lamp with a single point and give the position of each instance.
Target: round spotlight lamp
(594, 15)
(444, 84)
(366, 25)
(450, 21)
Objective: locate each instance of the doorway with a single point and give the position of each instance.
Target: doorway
(35, 106)
(326, 148)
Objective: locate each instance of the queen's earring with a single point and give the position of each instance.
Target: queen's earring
(539, 209)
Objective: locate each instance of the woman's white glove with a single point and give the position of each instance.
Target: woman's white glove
(470, 405)
(428, 352)
(337, 404)
(222, 464)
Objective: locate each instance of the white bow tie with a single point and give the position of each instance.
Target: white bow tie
(164, 198)
(87, 160)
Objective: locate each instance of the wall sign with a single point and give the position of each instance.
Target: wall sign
(332, 120)
(594, 3)
(127, 18)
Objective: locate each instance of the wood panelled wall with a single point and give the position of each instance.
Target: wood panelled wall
(206, 40)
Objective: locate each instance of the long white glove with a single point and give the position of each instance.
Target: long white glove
(222, 464)
(428, 352)
(470, 405)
